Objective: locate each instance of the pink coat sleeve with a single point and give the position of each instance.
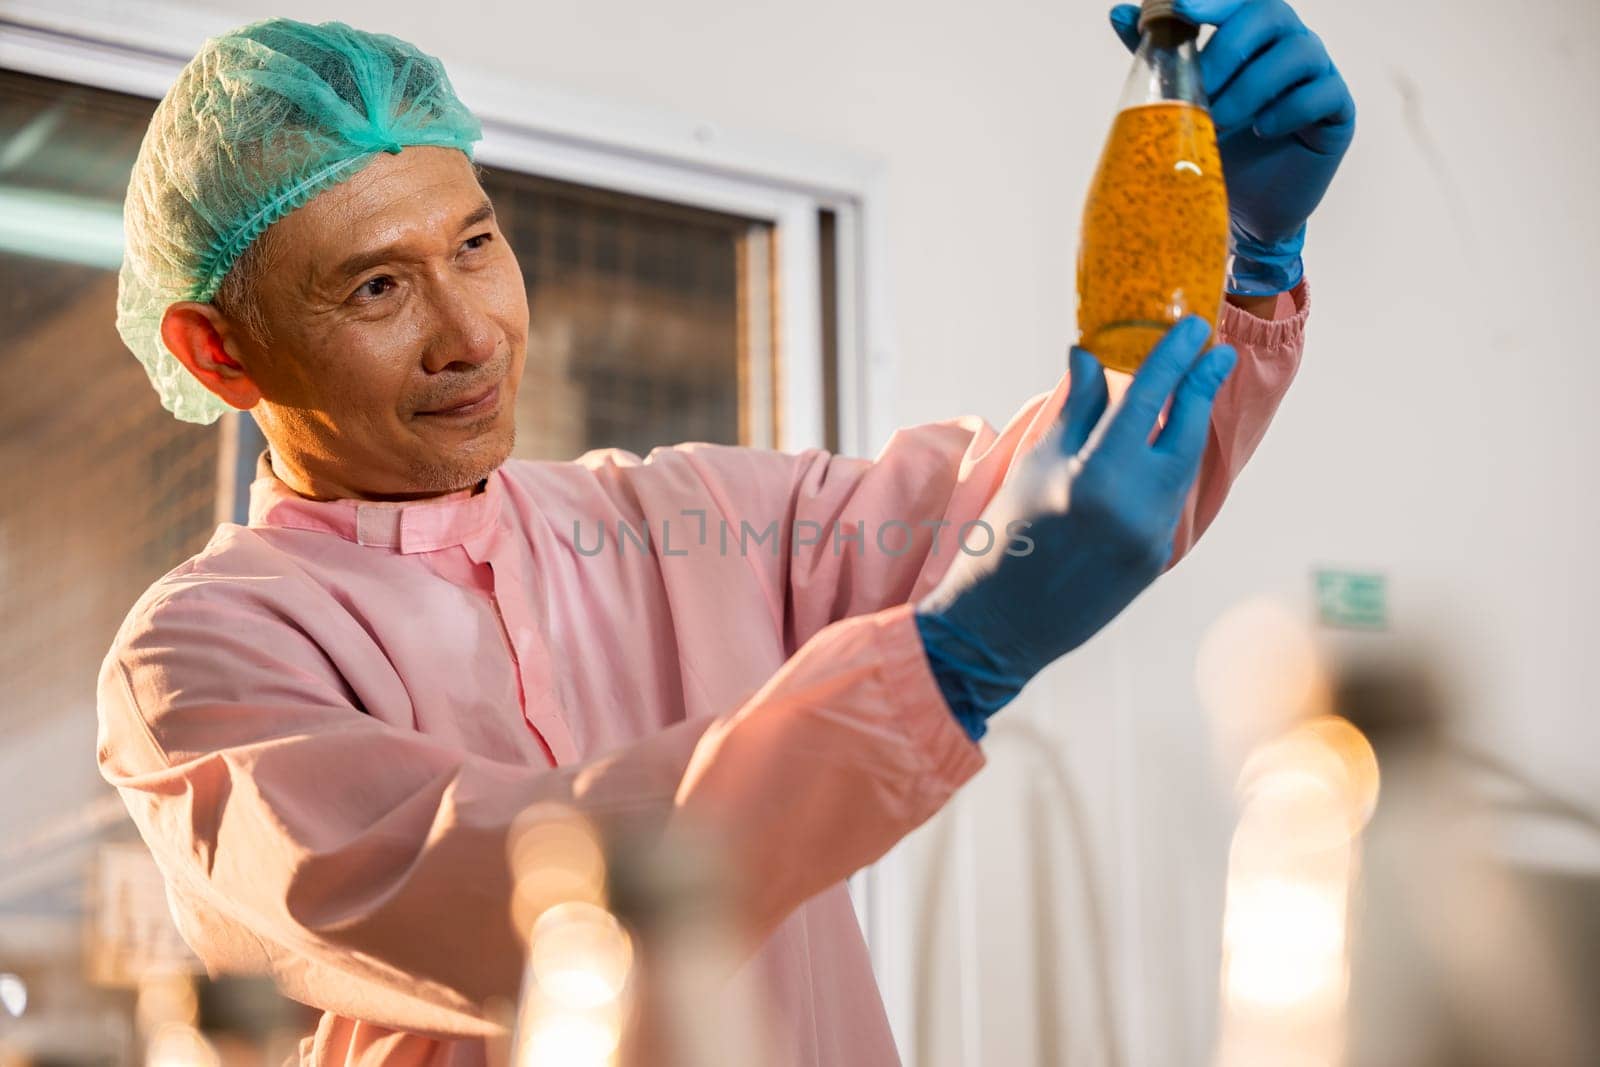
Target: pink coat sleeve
(860, 534)
(365, 866)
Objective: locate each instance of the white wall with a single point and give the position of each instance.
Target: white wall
(1438, 433)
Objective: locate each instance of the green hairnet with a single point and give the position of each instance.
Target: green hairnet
(258, 123)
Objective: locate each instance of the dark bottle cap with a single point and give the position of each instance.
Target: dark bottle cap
(1152, 10)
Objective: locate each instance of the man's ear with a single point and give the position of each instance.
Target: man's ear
(201, 339)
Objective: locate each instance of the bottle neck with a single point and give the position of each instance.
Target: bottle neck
(1170, 33)
(1166, 67)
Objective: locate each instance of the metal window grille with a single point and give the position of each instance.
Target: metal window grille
(636, 336)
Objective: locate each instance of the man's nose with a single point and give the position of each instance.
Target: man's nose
(464, 332)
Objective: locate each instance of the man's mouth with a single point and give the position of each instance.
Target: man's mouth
(477, 403)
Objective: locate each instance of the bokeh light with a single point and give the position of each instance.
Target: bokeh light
(1313, 788)
(574, 998)
(1257, 672)
(1304, 798)
(13, 995)
(579, 955)
(1285, 941)
(570, 1041)
(556, 857)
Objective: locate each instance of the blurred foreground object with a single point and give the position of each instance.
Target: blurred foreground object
(632, 950)
(1369, 926)
(1305, 799)
(577, 986)
(1457, 959)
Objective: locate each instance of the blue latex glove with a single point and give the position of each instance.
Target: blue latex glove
(1285, 119)
(1094, 531)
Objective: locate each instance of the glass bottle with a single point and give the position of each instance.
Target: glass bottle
(1155, 226)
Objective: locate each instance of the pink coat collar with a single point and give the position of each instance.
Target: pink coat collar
(409, 526)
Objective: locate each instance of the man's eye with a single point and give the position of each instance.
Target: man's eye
(374, 287)
(472, 244)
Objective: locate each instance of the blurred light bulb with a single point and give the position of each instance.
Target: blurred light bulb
(1283, 943)
(13, 995)
(580, 955)
(1314, 788)
(579, 962)
(1340, 737)
(1258, 670)
(556, 856)
(1305, 797)
(569, 1041)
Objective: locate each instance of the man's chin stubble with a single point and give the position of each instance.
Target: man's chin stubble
(450, 473)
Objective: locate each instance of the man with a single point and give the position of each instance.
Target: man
(326, 722)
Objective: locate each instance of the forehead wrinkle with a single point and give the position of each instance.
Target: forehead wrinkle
(373, 216)
(400, 235)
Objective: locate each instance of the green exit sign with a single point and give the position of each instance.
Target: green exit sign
(1352, 600)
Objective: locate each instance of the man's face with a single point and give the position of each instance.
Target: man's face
(397, 322)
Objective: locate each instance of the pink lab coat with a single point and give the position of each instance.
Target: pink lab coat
(325, 722)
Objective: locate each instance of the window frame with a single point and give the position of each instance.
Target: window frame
(138, 46)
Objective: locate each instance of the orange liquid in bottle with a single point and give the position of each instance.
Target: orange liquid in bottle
(1155, 233)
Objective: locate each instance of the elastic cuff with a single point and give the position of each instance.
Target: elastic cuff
(1241, 329)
